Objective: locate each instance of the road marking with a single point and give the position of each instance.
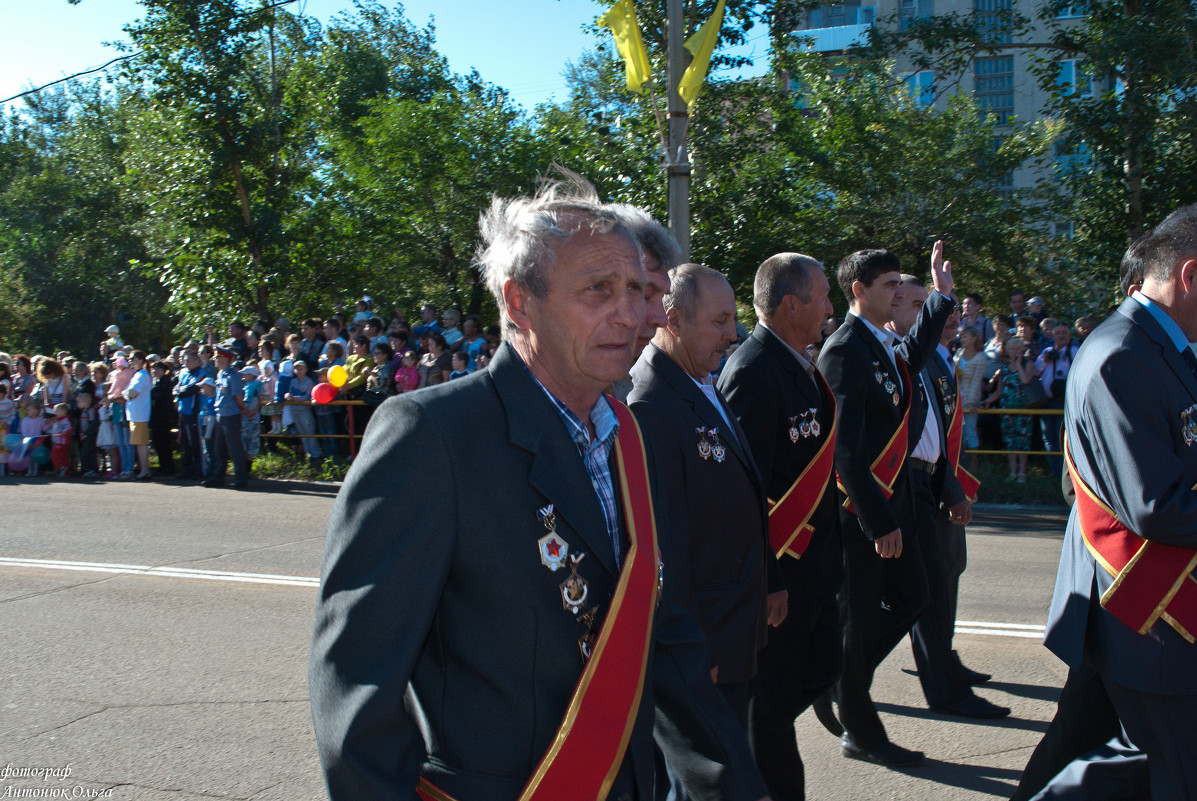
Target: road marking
(1025, 630)
(163, 572)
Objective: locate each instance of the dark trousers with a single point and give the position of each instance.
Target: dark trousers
(87, 450)
(1051, 425)
(1085, 719)
(227, 446)
(668, 785)
(880, 601)
(191, 443)
(163, 441)
(940, 672)
(1165, 728)
(801, 662)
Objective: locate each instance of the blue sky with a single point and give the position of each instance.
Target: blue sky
(522, 46)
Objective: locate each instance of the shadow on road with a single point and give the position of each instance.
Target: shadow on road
(999, 782)
(930, 714)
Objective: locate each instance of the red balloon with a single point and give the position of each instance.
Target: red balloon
(324, 393)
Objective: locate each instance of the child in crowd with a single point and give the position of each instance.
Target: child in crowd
(5, 430)
(207, 424)
(106, 441)
(33, 430)
(86, 432)
(271, 412)
(459, 366)
(302, 417)
(251, 418)
(326, 423)
(407, 377)
(60, 440)
(8, 407)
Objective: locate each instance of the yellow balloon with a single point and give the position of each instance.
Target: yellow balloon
(337, 375)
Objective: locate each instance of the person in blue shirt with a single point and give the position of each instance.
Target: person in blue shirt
(188, 400)
(227, 437)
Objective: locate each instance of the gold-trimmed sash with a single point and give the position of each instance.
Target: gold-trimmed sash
(790, 530)
(888, 464)
(955, 447)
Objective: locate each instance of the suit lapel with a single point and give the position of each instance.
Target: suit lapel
(881, 357)
(704, 410)
(558, 472)
(1142, 318)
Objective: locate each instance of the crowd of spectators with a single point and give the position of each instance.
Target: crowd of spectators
(100, 419)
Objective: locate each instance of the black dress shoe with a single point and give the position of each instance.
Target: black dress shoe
(826, 715)
(887, 754)
(213, 484)
(974, 706)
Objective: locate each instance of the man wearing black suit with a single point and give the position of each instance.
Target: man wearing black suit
(1131, 431)
(778, 397)
(713, 496)
(455, 638)
(885, 586)
(933, 482)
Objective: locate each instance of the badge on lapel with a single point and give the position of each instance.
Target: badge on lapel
(574, 589)
(704, 447)
(717, 449)
(886, 383)
(553, 550)
(808, 427)
(1188, 425)
(949, 397)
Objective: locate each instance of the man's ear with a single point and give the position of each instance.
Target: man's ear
(673, 320)
(516, 298)
(858, 289)
(1188, 275)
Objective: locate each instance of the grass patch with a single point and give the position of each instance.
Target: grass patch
(1042, 487)
(285, 464)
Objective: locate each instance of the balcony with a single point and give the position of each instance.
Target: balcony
(841, 37)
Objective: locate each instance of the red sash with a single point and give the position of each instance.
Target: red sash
(1151, 580)
(789, 529)
(888, 464)
(585, 755)
(968, 482)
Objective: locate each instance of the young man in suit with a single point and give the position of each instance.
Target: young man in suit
(885, 586)
(517, 648)
(946, 684)
(787, 413)
(715, 500)
(1124, 601)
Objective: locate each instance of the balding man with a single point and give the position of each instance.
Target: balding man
(1125, 602)
(517, 648)
(788, 415)
(715, 504)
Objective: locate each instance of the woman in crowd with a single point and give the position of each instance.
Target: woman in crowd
(24, 380)
(971, 368)
(55, 386)
(435, 365)
(1017, 370)
(302, 416)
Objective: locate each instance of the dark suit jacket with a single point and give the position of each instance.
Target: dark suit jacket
(1126, 393)
(441, 644)
(716, 510)
(868, 416)
(941, 378)
(767, 388)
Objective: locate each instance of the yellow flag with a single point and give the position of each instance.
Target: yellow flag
(701, 45)
(621, 19)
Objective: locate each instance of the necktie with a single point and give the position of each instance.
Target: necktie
(1190, 360)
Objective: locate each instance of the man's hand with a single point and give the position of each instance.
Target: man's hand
(962, 513)
(715, 675)
(778, 604)
(889, 546)
(941, 271)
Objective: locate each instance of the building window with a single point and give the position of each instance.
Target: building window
(910, 10)
(1072, 79)
(921, 86)
(994, 20)
(993, 87)
(1070, 12)
(840, 14)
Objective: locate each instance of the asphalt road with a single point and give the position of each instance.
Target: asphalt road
(154, 645)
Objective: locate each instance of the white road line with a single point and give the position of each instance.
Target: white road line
(1025, 630)
(163, 572)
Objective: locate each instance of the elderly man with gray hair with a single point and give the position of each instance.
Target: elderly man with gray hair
(518, 647)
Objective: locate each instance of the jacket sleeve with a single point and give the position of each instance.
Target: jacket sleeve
(361, 662)
(753, 399)
(918, 345)
(846, 374)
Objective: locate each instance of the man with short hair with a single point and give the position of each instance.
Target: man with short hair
(429, 325)
(187, 396)
(934, 482)
(1123, 602)
(787, 412)
(715, 500)
(237, 339)
(311, 346)
(227, 437)
(971, 308)
(571, 552)
(885, 586)
(332, 333)
(137, 409)
(1018, 304)
(472, 343)
(452, 333)
(659, 254)
(1052, 368)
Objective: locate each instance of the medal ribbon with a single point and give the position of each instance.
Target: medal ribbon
(889, 462)
(789, 529)
(968, 482)
(1151, 580)
(584, 757)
